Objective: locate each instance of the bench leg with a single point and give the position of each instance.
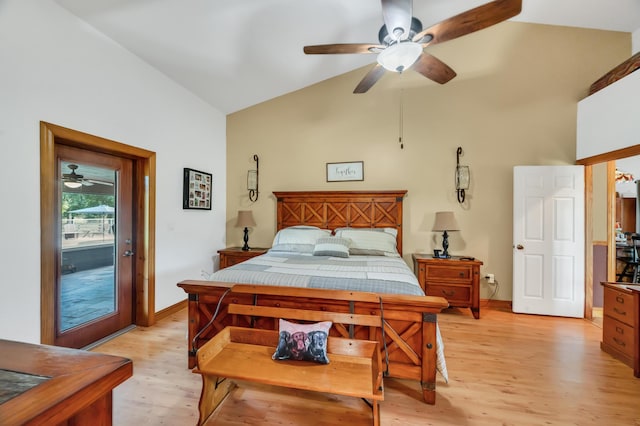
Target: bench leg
(376, 413)
(211, 397)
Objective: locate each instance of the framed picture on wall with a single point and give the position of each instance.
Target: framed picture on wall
(196, 190)
(339, 172)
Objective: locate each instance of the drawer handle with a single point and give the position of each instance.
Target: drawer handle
(619, 312)
(619, 299)
(619, 342)
(451, 293)
(461, 274)
(619, 330)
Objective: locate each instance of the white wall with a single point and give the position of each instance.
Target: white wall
(55, 68)
(635, 41)
(608, 119)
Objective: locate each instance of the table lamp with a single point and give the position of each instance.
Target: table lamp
(445, 221)
(245, 220)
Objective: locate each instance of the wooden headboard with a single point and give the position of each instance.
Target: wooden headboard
(335, 209)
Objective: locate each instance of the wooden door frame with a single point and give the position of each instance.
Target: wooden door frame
(144, 213)
(610, 159)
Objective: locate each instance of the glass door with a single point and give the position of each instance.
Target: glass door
(94, 293)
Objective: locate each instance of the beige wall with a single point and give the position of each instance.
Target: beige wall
(513, 103)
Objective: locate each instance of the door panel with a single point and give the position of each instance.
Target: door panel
(548, 259)
(94, 286)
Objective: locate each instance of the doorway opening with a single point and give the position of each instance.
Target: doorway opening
(103, 246)
(607, 240)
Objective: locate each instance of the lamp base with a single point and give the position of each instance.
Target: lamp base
(445, 245)
(246, 247)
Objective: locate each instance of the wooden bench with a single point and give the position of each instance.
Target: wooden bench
(243, 353)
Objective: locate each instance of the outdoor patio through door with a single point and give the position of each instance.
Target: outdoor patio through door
(94, 286)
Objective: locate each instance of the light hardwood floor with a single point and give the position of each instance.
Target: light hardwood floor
(504, 369)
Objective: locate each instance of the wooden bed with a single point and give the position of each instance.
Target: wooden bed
(409, 342)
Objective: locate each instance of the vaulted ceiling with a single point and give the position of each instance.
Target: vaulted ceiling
(235, 54)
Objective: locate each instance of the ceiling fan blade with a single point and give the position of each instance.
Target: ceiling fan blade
(99, 182)
(342, 48)
(470, 21)
(433, 68)
(370, 79)
(397, 18)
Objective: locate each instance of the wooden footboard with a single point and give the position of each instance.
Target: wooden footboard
(408, 342)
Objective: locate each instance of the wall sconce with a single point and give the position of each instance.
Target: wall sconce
(462, 177)
(252, 181)
(245, 220)
(445, 221)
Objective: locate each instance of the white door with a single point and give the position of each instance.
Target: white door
(548, 240)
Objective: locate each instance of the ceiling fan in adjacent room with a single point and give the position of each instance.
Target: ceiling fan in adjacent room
(402, 39)
(75, 180)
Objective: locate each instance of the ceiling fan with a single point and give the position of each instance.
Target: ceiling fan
(402, 39)
(74, 180)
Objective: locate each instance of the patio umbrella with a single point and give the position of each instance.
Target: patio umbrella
(103, 209)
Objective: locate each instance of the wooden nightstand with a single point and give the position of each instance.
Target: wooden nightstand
(232, 255)
(455, 279)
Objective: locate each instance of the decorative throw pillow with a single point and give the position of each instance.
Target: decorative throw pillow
(303, 342)
(332, 246)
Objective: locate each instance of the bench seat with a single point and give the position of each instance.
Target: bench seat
(242, 353)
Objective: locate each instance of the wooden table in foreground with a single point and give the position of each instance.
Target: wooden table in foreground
(57, 386)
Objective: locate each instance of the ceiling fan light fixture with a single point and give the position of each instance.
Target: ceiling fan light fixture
(73, 185)
(400, 56)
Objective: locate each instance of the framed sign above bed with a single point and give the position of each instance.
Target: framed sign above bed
(339, 172)
(196, 190)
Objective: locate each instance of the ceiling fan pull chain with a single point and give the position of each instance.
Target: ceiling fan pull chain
(401, 125)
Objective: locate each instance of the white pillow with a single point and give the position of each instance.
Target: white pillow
(371, 241)
(300, 239)
(332, 246)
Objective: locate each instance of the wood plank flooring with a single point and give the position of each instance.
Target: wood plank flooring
(504, 369)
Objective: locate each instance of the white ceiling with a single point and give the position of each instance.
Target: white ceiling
(237, 53)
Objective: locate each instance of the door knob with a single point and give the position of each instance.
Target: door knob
(128, 253)
(520, 247)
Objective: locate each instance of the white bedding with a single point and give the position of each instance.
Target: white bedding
(377, 274)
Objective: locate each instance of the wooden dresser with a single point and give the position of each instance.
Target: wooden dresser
(455, 279)
(621, 324)
(232, 255)
(65, 386)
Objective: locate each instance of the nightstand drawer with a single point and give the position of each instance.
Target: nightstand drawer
(450, 272)
(619, 305)
(453, 293)
(618, 335)
(234, 255)
(232, 260)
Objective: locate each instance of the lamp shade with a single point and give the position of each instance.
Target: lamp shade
(245, 219)
(445, 221)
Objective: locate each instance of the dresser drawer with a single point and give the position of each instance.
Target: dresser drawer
(456, 273)
(455, 294)
(619, 305)
(618, 335)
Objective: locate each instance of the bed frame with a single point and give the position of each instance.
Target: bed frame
(409, 339)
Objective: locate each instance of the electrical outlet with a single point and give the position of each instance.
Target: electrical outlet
(491, 279)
